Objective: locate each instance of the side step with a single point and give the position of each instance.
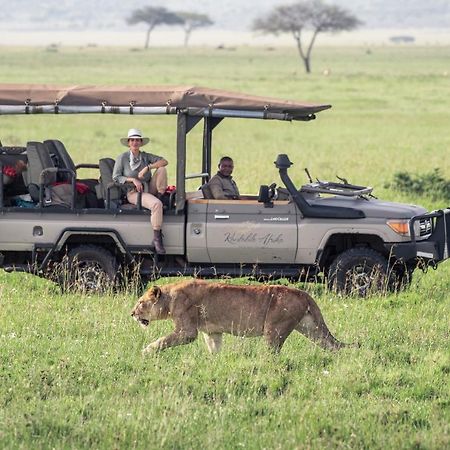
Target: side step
(232, 271)
(19, 268)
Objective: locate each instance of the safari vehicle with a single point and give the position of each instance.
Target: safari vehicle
(334, 232)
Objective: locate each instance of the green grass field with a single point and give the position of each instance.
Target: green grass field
(71, 370)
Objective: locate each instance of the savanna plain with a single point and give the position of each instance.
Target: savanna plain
(71, 372)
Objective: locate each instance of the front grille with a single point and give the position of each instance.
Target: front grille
(425, 226)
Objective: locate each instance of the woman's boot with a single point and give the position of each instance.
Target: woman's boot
(158, 242)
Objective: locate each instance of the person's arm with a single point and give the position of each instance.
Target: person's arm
(155, 162)
(216, 188)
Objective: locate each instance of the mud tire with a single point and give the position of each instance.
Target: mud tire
(359, 272)
(90, 269)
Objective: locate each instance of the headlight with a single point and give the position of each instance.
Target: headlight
(422, 227)
(399, 226)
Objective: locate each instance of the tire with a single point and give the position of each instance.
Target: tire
(89, 269)
(401, 278)
(359, 272)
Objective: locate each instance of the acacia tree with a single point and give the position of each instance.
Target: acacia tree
(191, 21)
(313, 15)
(153, 16)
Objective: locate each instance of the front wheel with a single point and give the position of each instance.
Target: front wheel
(401, 278)
(89, 269)
(359, 272)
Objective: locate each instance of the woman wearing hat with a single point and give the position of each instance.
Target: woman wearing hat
(133, 169)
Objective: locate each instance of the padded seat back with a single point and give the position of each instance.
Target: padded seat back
(106, 166)
(206, 191)
(36, 175)
(60, 157)
(38, 160)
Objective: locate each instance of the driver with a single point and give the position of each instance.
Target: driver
(222, 185)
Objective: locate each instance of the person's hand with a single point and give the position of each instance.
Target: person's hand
(142, 173)
(20, 166)
(138, 185)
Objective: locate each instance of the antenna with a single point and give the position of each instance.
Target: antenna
(344, 180)
(308, 175)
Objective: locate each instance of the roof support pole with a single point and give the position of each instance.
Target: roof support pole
(1, 184)
(182, 130)
(209, 124)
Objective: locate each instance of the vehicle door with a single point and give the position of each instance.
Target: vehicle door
(246, 231)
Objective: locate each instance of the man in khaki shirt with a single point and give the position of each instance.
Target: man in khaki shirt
(222, 185)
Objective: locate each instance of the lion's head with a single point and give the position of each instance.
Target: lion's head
(147, 307)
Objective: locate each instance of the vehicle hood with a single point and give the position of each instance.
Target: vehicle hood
(371, 207)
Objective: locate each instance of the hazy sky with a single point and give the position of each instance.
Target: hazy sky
(227, 14)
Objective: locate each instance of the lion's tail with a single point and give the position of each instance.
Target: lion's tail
(313, 326)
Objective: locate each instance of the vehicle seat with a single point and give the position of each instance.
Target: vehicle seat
(116, 194)
(206, 190)
(60, 158)
(38, 160)
(63, 160)
(42, 171)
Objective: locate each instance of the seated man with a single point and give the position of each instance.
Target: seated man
(222, 185)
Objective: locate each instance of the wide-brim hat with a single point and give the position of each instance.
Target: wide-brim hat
(134, 133)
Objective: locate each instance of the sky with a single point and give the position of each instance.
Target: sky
(37, 15)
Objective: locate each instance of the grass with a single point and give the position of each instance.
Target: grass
(71, 370)
(73, 377)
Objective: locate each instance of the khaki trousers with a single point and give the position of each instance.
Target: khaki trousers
(158, 184)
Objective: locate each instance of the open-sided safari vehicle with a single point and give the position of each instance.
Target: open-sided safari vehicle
(321, 231)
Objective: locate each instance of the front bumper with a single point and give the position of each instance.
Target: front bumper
(434, 249)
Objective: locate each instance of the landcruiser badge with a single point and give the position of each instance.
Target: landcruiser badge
(276, 219)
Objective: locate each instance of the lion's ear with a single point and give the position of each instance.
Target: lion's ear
(156, 291)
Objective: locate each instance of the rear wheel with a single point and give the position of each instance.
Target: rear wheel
(358, 272)
(89, 269)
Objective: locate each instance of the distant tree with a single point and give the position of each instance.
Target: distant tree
(191, 21)
(313, 15)
(153, 16)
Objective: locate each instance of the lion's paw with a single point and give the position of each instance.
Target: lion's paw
(152, 348)
(149, 350)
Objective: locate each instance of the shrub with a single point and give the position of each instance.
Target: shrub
(431, 184)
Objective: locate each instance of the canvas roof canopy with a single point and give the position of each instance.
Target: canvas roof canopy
(197, 101)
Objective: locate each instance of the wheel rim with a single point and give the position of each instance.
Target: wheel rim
(89, 276)
(361, 279)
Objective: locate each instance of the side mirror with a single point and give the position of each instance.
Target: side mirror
(265, 197)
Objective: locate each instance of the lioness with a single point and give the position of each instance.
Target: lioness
(215, 308)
